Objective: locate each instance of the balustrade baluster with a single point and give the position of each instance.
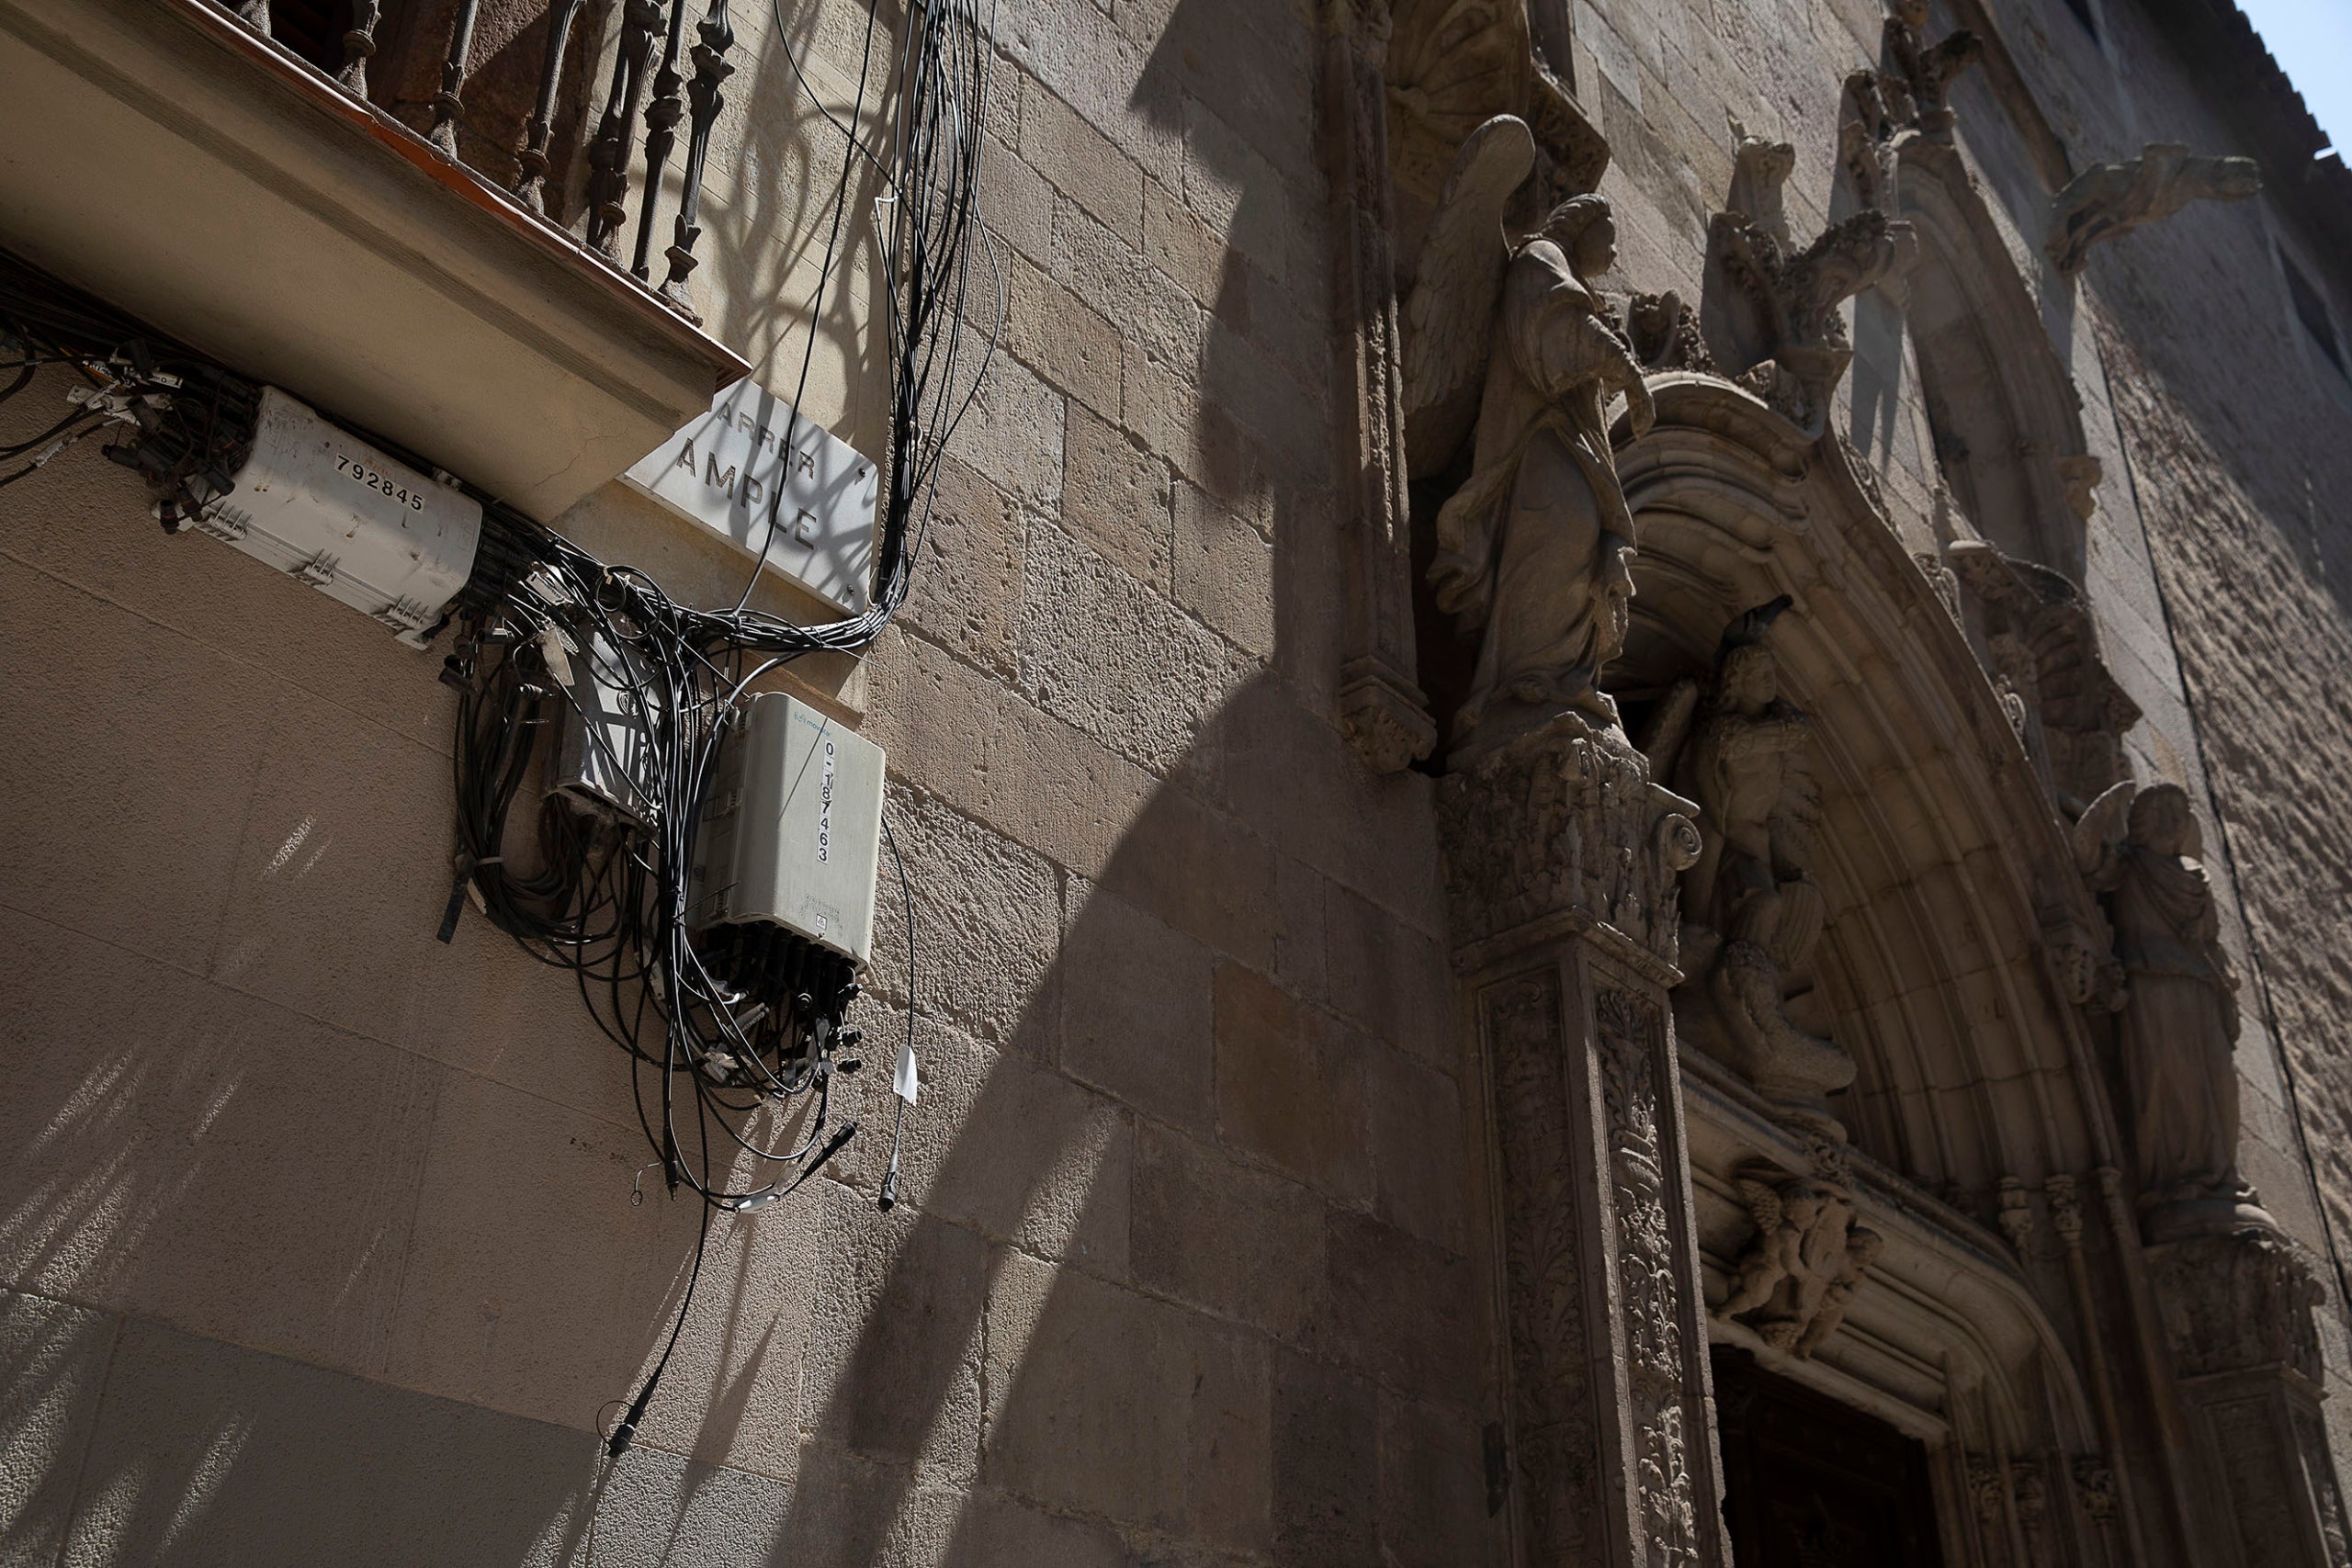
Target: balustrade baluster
(608, 155)
(530, 187)
(710, 69)
(661, 117)
(359, 45)
(255, 14)
(447, 106)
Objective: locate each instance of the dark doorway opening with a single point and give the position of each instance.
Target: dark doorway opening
(1809, 1483)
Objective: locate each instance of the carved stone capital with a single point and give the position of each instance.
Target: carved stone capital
(1387, 718)
(2239, 1302)
(1562, 825)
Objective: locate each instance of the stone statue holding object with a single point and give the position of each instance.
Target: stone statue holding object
(2180, 1020)
(1535, 548)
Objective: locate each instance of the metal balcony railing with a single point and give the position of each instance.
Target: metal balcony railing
(662, 72)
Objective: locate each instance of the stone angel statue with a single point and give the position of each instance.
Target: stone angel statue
(1506, 344)
(2179, 1021)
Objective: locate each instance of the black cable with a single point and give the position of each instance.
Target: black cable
(626, 1433)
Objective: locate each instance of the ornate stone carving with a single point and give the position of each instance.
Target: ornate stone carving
(1454, 65)
(2181, 1014)
(1381, 708)
(1783, 337)
(1533, 551)
(2039, 631)
(2082, 951)
(2030, 1492)
(2094, 1489)
(1984, 1488)
(2065, 1210)
(1558, 1439)
(1753, 913)
(2016, 1213)
(1804, 1263)
(2109, 200)
(1917, 82)
(2237, 1311)
(2241, 1303)
(1629, 1033)
(1566, 819)
(1665, 333)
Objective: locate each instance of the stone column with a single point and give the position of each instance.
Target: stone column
(1383, 710)
(1563, 861)
(2237, 1313)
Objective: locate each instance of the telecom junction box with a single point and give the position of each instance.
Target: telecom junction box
(791, 828)
(605, 759)
(322, 505)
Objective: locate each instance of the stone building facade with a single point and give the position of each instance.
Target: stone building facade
(1622, 756)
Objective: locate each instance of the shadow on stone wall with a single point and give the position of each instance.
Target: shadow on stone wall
(1181, 1269)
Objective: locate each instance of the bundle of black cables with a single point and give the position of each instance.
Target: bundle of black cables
(736, 1032)
(179, 419)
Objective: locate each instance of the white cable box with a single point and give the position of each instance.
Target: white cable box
(322, 505)
(791, 827)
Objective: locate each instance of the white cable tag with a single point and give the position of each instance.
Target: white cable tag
(903, 1083)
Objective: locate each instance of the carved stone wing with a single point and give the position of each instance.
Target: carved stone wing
(1668, 727)
(2101, 824)
(1450, 315)
(1763, 1202)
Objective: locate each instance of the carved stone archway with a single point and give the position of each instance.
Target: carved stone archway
(1983, 1143)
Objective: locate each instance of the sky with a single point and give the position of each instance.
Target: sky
(2311, 41)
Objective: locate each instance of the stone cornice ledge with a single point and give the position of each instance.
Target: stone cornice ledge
(167, 159)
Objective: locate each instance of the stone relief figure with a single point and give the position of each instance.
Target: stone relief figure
(1917, 83)
(1752, 913)
(1807, 1259)
(2180, 1019)
(1535, 548)
(2109, 200)
(1773, 309)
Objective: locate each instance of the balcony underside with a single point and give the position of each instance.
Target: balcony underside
(158, 155)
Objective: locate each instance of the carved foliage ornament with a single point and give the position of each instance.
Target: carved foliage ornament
(1791, 337)
(1558, 1457)
(1630, 1033)
(1566, 819)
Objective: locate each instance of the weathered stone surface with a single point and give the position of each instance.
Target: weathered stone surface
(1137, 1025)
(1231, 1240)
(1289, 1084)
(1109, 1402)
(1326, 1472)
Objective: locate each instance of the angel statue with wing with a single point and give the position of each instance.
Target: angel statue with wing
(1535, 548)
(2179, 1022)
(1804, 1263)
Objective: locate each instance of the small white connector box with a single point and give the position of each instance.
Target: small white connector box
(319, 504)
(791, 827)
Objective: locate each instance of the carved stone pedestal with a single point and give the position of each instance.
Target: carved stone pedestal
(2237, 1313)
(1564, 857)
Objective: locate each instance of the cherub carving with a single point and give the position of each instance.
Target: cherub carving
(1535, 548)
(2108, 200)
(1806, 1261)
(2179, 1021)
(1752, 912)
